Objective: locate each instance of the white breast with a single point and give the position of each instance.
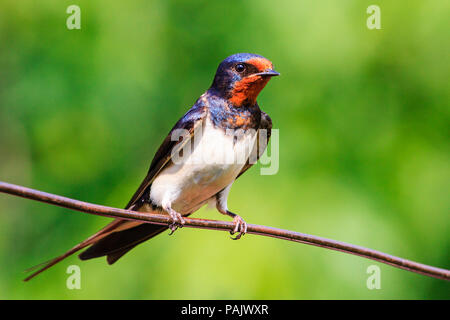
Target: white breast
(215, 162)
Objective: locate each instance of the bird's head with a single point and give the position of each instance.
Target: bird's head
(241, 77)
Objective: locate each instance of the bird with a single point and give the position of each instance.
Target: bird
(211, 146)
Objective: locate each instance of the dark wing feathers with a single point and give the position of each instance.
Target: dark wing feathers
(115, 245)
(189, 121)
(265, 124)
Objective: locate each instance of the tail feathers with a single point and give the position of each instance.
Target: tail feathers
(117, 244)
(54, 261)
(95, 237)
(114, 256)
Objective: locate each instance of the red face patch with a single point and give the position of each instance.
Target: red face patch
(260, 63)
(247, 89)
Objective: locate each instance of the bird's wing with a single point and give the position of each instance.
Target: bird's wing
(192, 120)
(120, 236)
(261, 143)
(129, 234)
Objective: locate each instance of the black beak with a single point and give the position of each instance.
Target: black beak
(268, 73)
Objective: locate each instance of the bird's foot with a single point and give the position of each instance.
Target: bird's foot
(177, 221)
(240, 226)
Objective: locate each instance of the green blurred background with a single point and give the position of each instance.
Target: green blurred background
(364, 143)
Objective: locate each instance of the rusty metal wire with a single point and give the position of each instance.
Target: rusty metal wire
(226, 226)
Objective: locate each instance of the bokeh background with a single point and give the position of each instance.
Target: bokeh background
(364, 143)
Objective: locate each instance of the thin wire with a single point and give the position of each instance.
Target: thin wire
(226, 226)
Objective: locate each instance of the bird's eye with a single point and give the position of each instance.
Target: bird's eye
(240, 67)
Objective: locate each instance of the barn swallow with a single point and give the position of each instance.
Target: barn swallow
(179, 188)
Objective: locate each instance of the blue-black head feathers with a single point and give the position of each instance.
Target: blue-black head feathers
(238, 66)
(240, 77)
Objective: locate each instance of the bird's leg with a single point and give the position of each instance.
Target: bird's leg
(240, 224)
(221, 205)
(177, 220)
